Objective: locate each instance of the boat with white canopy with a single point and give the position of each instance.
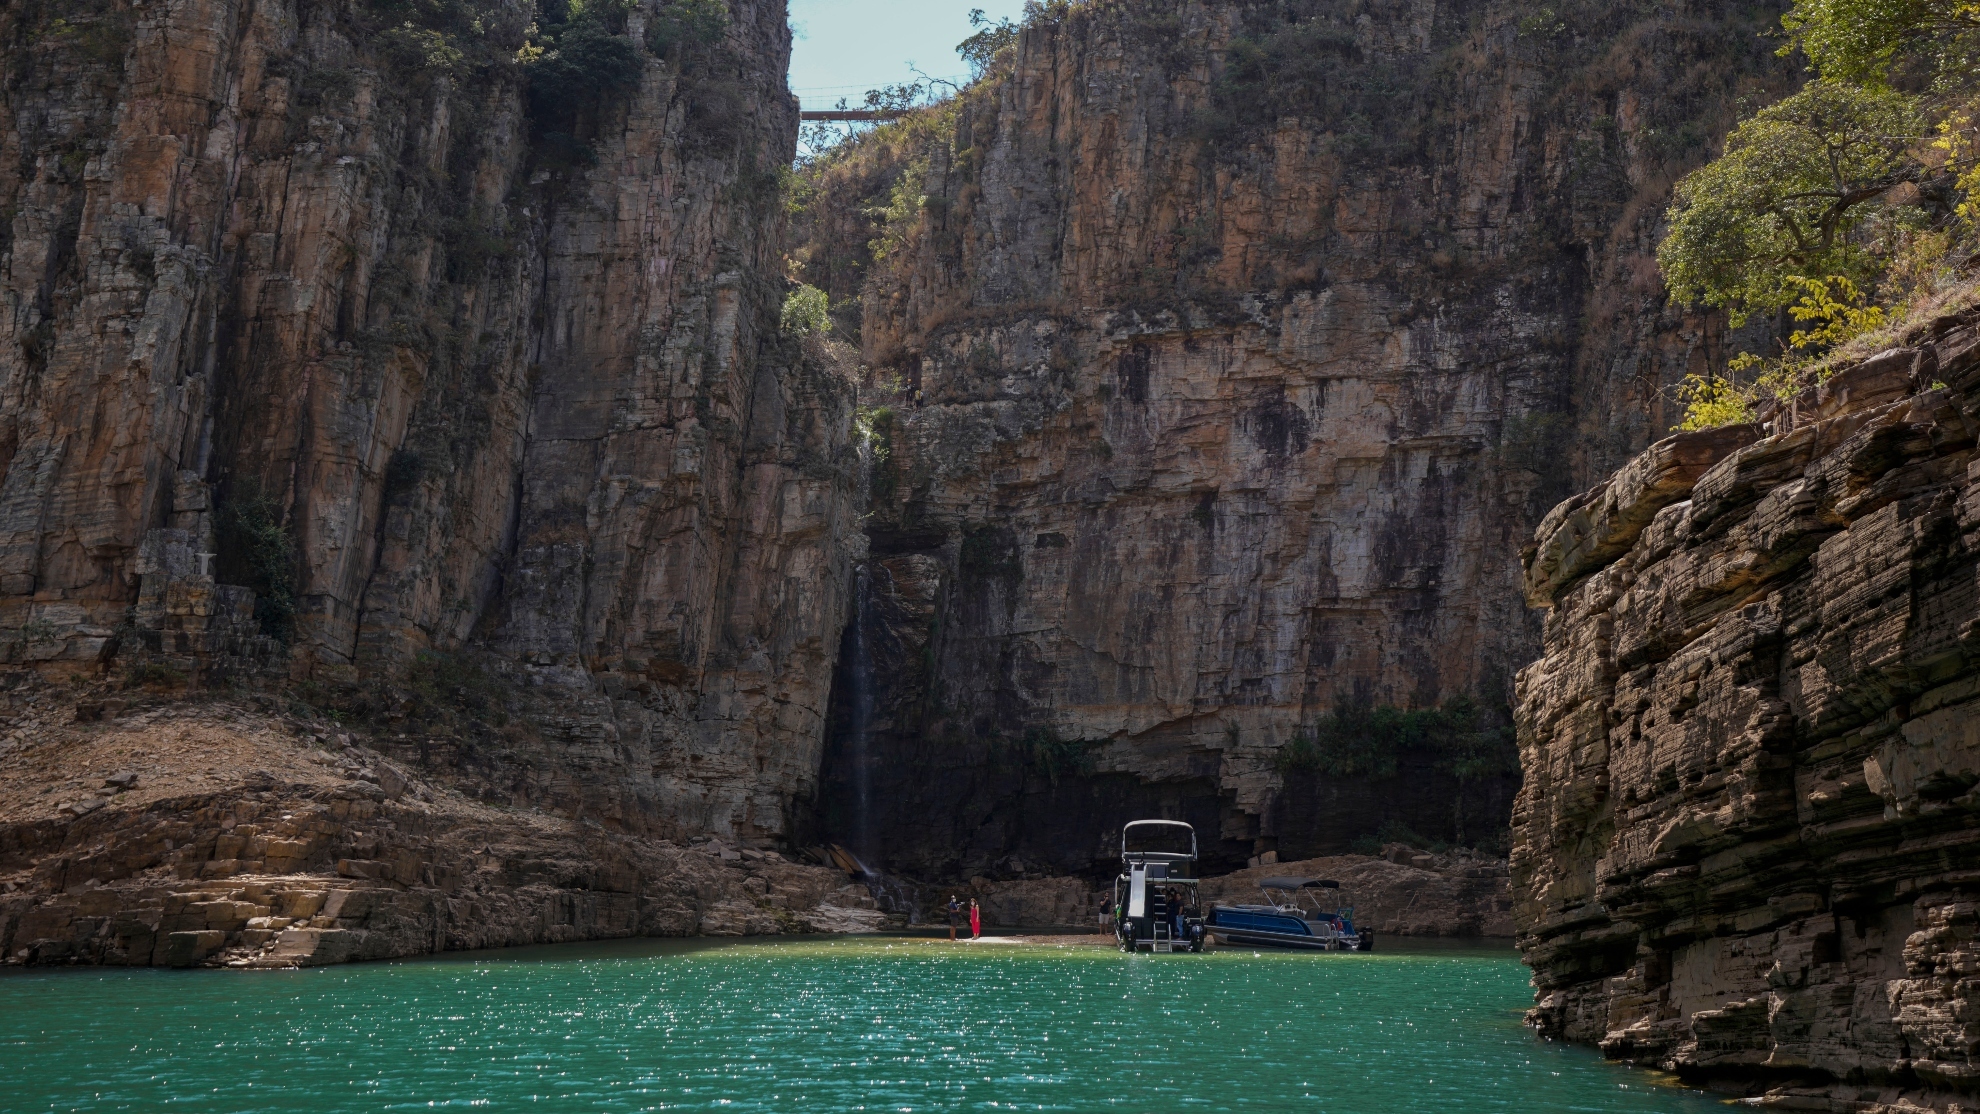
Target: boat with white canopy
(1155, 905)
(1309, 913)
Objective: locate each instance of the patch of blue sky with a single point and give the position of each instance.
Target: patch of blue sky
(845, 47)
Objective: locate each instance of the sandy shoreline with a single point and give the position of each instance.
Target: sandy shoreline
(1083, 940)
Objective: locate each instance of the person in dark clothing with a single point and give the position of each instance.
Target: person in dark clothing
(955, 916)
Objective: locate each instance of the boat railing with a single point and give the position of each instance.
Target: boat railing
(1308, 902)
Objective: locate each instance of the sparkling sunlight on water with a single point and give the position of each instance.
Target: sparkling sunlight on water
(840, 1025)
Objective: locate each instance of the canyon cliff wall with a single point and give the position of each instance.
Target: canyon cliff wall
(1746, 845)
(1222, 356)
(336, 347)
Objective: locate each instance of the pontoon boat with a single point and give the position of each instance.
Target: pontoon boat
(1297, 913)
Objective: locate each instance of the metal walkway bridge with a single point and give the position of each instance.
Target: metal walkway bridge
(849, 115)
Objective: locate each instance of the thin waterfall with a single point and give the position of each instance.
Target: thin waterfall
(890, 894)
(862, 717)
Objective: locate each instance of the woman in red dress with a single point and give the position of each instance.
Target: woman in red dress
(975, 920)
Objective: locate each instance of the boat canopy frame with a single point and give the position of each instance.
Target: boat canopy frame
(1286, 883)
(1284, 893)
(1159, 856)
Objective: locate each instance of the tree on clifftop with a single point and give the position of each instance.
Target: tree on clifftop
(1793, 196)
(1843, 207)
(1869, 42)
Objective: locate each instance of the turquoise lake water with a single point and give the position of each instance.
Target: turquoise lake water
(830, 1025)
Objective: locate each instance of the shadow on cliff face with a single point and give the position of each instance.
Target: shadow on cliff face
(937, 793)
(953, 806)
(934, 796)
(1318, 815)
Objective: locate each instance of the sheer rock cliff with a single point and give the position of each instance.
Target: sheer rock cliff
(1207, 403)
(502, 394)
(1746, 847)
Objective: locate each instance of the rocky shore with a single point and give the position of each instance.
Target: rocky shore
(187, 832)
(149, 829)
(1748, 846)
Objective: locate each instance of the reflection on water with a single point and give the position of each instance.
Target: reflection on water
(825, 1025)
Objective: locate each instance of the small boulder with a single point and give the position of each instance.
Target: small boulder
(184, 949)
(317, 947)
(392, 782)
(124, 779)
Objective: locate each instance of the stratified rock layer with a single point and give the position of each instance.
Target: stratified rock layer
(505, 393)
(1748, 846)
(183, 834)
(1196, 419)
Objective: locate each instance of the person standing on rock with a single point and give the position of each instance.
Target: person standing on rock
(955, 916)
(975, 920)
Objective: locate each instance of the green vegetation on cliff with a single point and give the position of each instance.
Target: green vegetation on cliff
(1794, 195)
(256, 550)
(1842, 208)
(1459, 739)
(806, 310)
(572, 56)
(1371, 742)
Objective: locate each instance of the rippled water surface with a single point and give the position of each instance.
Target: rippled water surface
(865, 1024)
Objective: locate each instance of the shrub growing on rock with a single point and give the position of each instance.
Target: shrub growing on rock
(256, 550)
(807, 310)
(688, 24)
(577, 61)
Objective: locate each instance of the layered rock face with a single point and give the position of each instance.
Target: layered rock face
(1747, 841)
(330, 350)
(180, 834)
(1222, 356)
